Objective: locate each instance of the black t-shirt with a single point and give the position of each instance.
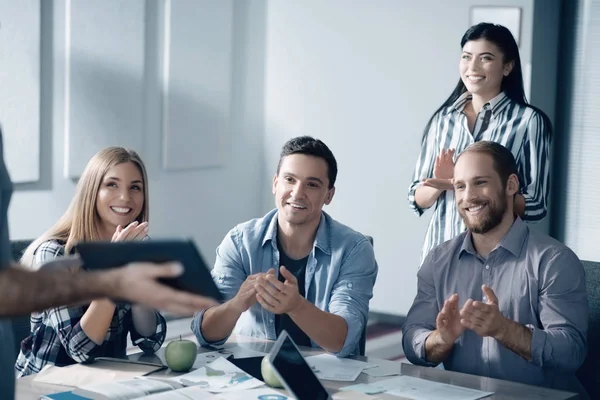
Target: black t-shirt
(283, 321)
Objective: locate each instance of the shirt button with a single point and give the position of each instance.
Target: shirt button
(271, 320)
(487, 267)
(350, 285)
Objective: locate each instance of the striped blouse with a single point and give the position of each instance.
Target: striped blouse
(519, 128)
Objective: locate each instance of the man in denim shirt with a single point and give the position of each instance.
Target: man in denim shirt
(296, 268)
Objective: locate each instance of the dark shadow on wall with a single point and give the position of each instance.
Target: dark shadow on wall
(561, 138)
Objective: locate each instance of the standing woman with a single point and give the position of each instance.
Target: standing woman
(488, 103)
(110, 204)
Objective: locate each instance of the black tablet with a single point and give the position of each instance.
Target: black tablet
(196, 277)
(293, 371)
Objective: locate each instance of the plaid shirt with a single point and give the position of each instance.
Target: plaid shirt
(57, 338)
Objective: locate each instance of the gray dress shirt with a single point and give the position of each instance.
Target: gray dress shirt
(539, 283)
(7, 356)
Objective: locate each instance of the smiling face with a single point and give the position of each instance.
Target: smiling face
(482, 199)
(482, 68)
(120, 197)
(301, 189)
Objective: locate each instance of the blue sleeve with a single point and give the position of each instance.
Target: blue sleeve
(228, 274)
(352, 292)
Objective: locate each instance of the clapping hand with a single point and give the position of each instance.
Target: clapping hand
(133, 231)
(484, 317)
(443, 171)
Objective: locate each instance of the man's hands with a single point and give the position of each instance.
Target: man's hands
(485, 317)
(247, 294)
(443, 171)
(448, 321)
(278, 297)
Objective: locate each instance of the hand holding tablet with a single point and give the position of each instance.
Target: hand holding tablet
(196, 277)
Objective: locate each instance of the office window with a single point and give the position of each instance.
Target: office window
(582, 202)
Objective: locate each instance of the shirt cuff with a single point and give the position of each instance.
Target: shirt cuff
(412, 202)
(196, 326)
(538, 342)
(418, 344)
(355, 328)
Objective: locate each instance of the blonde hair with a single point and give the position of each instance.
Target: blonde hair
(81, 220)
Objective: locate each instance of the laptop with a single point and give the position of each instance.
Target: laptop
(293, 371)
(196, 276)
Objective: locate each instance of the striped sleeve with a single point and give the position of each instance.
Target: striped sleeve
(534, 165)
(425, 164)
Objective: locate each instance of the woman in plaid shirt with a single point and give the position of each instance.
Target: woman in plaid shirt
(111, 203)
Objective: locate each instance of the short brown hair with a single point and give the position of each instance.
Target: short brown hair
(504, 161)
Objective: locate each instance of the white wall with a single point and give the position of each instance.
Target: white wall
(365, 77)
(201, 203)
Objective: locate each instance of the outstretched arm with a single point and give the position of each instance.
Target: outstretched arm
(22, 292)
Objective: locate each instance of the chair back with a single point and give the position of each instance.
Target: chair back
(362, 344)
(589, 373)
(18, 248)
(20, 325)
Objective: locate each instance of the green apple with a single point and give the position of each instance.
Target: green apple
(268, 374)
(181, 355)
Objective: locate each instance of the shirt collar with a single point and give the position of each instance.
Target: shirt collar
(513, 241)
(322, 241)
(497, 104)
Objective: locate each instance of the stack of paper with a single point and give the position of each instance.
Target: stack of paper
(332, 368)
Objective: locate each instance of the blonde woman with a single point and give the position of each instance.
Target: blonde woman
(110, 203)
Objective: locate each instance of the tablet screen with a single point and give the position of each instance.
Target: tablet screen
(295, 372)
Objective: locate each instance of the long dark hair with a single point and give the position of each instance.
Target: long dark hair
(512, 85)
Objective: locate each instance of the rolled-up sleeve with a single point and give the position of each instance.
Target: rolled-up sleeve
(352, 292)
(425, 164)
(561, 342)
(65, 322)
(153, 343)
(228, 274)
(420, 321)
(534, 168)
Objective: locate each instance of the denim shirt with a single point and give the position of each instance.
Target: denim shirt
(340, 274)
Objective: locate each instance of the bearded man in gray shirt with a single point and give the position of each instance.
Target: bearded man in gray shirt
(499, 300)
